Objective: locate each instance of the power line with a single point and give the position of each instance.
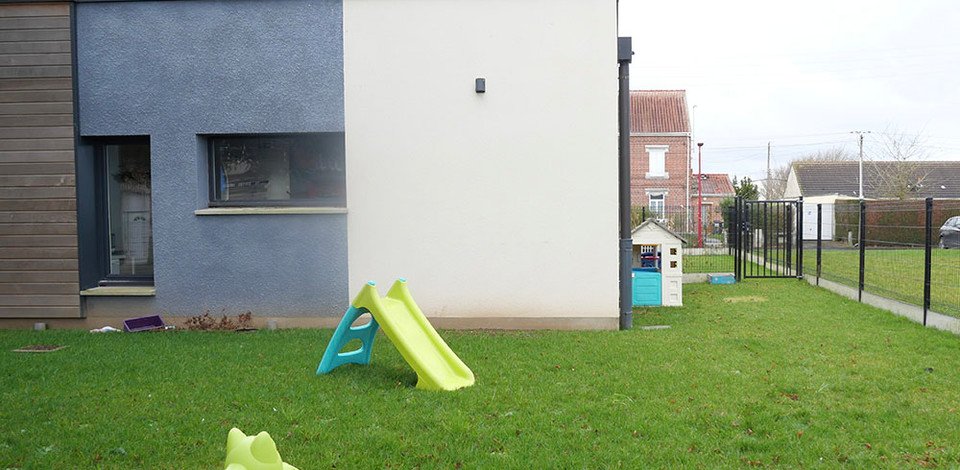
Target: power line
(756, 147)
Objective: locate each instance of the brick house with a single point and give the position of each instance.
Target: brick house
(663, 175)
(660, 142)
(716, 188)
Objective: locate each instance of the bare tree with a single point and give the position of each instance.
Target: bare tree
(897, 164)
(777, 184)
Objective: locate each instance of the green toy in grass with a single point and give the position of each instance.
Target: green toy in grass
(253, 452)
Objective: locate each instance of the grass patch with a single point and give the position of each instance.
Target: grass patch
(897, 274)
(806, 378)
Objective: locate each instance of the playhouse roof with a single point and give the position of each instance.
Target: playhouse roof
(659, 226)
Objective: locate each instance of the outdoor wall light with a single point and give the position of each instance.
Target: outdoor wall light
(481, 85)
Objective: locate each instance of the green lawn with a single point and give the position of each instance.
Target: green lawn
(896, 274)
(769, 372)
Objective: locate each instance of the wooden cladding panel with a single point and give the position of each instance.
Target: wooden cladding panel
(35, 47)
(40, 300)
(38, 277)
(38, 229)
(37, 180)
(9, 205)
(35, 22)
(33, 35)
(15, 84)
(38, 265)
(33, 96)
(40, 288)
(33, 168)
(39, 270)
(35, 9)
(37, 156)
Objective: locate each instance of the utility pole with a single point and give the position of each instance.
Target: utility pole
(860, 174)
(700, 194)
(766, 187)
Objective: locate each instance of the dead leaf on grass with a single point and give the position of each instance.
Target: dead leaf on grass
(745, 298)
(41, 348)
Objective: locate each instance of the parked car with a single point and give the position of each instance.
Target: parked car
(950, 233)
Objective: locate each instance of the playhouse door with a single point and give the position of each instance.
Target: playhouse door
(647, 288)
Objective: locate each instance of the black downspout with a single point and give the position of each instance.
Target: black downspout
(624, 56)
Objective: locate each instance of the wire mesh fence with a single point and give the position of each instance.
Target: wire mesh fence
(707, 247)
(892, 248)
(945, 258)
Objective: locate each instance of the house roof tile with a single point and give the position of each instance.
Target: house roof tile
(658, 111)
(713, 183)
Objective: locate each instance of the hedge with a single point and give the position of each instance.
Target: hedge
(892, 223)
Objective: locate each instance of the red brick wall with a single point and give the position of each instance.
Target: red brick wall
(676, 166)
(715, 214)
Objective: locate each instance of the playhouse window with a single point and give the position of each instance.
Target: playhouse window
(277, 169)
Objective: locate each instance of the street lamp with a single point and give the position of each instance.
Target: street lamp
(700, 194)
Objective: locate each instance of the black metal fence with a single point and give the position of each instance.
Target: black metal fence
(768, 240)
(708, 248)
(903, 250)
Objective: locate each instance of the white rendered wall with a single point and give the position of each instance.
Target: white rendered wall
(809, 208)
(501, 204)
(792, 191)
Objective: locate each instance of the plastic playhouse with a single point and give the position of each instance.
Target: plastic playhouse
(436, 365)
(657, 265)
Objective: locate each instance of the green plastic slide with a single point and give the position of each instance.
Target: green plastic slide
(436, 365)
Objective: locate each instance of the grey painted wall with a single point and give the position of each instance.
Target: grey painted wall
(173, 70)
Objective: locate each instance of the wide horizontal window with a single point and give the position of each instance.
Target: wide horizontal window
(277, 169)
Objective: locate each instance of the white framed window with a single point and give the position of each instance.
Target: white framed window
(657, 206)
(657, 155)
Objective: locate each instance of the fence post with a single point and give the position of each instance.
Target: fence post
(862, 236)
(737, 238)
(819, 238)
(643, 214)
(927, 247)
(800, 238)
(788, 252)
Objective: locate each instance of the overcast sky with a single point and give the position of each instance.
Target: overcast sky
(802, 74)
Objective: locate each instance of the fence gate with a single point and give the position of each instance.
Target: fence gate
(769, 241)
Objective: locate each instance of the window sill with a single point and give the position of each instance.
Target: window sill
(652, 176)
(120, 291)
(269, 210)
